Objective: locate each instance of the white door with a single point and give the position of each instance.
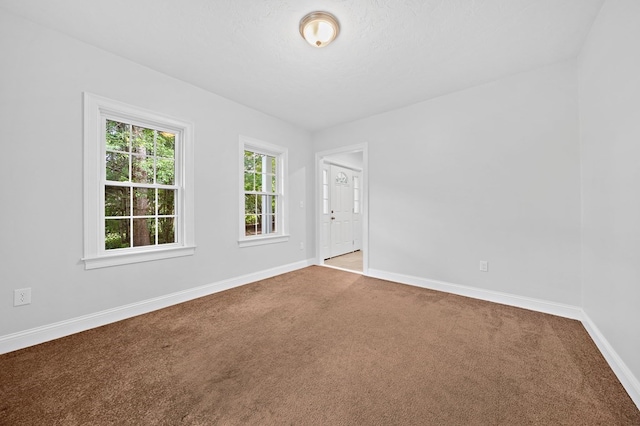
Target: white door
(341, 210)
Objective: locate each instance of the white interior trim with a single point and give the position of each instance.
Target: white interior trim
(37, 335)
(630, 383)
(538, 305)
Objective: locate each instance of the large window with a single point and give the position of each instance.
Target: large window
(137, 176)
(262, 192)
(140, 190)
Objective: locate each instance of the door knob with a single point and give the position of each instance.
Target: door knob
(333, 218)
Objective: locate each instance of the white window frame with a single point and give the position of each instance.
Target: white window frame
(97, 110)
(281, 154)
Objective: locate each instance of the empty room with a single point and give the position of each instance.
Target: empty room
(408, 212)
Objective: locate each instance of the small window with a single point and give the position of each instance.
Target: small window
(325, 191)
(138, 166)
(356, 194)
(262, 193)
(342, 179)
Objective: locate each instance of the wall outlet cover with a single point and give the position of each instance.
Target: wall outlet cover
(22, 296)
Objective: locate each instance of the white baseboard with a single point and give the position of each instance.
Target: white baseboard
(624, 374)
(34, 336)
(553, 308)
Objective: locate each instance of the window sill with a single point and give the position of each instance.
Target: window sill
(258, 241)
(115, 259)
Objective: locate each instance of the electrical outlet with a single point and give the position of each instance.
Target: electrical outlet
(301, 245)
(484, 266)
(22, 296)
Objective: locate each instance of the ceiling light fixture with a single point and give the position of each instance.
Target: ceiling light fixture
(319, 28)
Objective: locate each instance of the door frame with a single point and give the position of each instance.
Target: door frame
(319, 161)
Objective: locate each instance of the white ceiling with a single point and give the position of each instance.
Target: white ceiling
(390, 53)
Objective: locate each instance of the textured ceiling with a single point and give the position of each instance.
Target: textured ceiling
(390, 53)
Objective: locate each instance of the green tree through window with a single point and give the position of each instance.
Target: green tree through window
(140, 191)
(260, 193)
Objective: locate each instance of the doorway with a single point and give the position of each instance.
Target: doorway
(342, 213)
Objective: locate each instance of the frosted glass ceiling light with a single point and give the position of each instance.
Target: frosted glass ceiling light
(319, 28)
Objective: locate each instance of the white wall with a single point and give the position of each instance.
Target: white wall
(609, 69)
(353, 160)
(42, 77)
(490, 173)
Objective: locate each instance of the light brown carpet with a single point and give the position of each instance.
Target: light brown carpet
(319, 346)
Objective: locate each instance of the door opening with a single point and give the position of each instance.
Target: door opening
(342, 209)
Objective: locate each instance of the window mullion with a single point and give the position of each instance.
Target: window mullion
(155, 190)
(139, 185)
(131, 217)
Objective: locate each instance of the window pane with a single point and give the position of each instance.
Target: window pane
(250, 221)
(274, 187)
(144, 201)
(259, 224)
(259, 185)
(249, 162)
(144, 232)
(166, 230)
(342, 179)
(165, 171)
(142, 140)
(249, 181)
(117, 166)
(142, 169)
(116, 201)
(166, 202)
(166, 145)
(250, 204)
(273, 164)
(325, 206)
(272, 219)
(269, 164)
(116, 233)
(117, 136)
(258, 161)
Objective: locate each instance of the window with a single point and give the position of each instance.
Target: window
(138, 197)
(356, 194)
(262, 195)
(325, 191)
(342, 179)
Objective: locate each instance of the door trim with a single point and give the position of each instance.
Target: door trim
(319, 159)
